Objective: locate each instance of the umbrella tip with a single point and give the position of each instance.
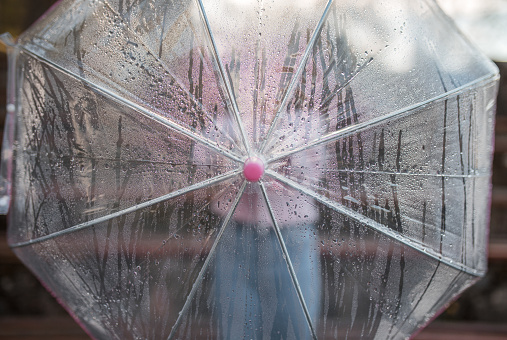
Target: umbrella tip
(253, 169)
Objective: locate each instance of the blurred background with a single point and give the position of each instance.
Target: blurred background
(28, 311)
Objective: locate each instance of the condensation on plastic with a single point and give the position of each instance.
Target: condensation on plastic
(130, 125)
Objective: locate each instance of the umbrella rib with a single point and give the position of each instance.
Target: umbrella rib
(288, 261)
(351, 129)
(134, 161)
(223, 76)
(397, 173)
(192, 97)
(165, 243)
(205, 266)
(295, 77)
(374, 225)
(149, 113)
(88, 224)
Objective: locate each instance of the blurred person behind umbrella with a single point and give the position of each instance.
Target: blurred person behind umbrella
(256, 295)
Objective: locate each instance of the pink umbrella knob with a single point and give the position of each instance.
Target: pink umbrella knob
(253, 169)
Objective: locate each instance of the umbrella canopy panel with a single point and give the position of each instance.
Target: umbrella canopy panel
(243, 169)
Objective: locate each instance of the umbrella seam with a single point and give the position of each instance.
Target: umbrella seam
(165, 243)
(288, 261)
(406, 111)
(166, 68)
(403, 173)
(200, 277)
(295, 77)
(84, 225)
(146, 112)
(374, 225)
(222, 76)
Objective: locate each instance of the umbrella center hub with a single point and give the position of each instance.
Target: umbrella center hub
(253, 169)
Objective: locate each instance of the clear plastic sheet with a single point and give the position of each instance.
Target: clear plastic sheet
(370, 122)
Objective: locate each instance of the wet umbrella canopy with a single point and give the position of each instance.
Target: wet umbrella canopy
(249, 169)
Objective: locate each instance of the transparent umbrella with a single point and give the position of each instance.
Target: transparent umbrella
(249, 169)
